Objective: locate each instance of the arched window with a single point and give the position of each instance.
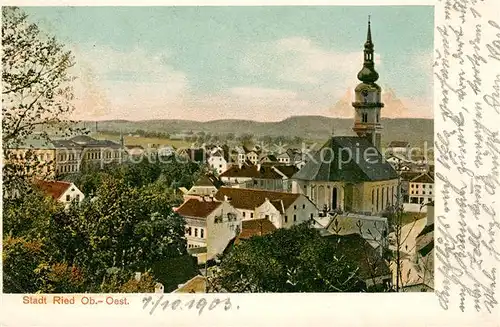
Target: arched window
(377, 199)
(383, 192)
(373, 197)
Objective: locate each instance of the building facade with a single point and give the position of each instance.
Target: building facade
(283, 209)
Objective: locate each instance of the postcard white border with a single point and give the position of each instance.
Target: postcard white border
(391, 309)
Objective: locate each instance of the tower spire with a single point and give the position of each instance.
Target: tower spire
(369, 34)
(368, 74)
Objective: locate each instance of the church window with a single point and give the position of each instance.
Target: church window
(251, 214)
(202, 232)
(286, 219)
(196, 232)
(244, 214)
(383, 194)
(294, 217)
(364, 117)
(378, 117)
(377, 198)
(373, 197)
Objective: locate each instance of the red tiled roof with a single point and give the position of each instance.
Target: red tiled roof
(249, 199)
(255, 227)
(197, 208)
(53, 188)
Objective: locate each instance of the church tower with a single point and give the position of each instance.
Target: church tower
(367, 102)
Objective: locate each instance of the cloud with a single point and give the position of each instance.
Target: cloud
(116, 84)
(290, 76)
(302, 61)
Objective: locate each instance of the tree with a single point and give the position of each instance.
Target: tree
(397, 222)
(298, 259)
(36, 87)
(123, 228)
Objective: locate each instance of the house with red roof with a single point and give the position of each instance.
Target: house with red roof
(64, 192)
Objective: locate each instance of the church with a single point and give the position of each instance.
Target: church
(349, 173)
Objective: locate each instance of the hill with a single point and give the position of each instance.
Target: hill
(312, 128)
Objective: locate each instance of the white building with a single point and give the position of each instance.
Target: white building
(283, 209)
(218, 163)
(421, 189)
(253, 157)
(210, 224)
(284, 158)
(63, 192)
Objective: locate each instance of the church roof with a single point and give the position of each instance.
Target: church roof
(326, 166)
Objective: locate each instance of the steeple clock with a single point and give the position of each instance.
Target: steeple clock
(367, 102)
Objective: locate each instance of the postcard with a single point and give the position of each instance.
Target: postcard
(252, 163)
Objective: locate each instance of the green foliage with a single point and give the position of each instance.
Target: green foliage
(166, 175)
(288, 260)
(36, 89)
(125, 227)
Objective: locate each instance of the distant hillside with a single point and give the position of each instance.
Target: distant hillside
(308, 127)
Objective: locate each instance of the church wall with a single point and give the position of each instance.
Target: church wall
(377, 194)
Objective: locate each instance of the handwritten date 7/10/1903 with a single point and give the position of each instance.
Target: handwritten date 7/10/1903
(193, 304)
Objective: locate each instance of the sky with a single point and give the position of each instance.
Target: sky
(258, 63)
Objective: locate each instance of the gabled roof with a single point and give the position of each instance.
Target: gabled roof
(409, 175)
(255, 227)
(197, 208)
(398, 144)
(423, 178)
(249, 199)
(331, 162)
(357, 249)
(55, 189)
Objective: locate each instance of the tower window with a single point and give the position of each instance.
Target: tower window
(378, 118)
(364, 117)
